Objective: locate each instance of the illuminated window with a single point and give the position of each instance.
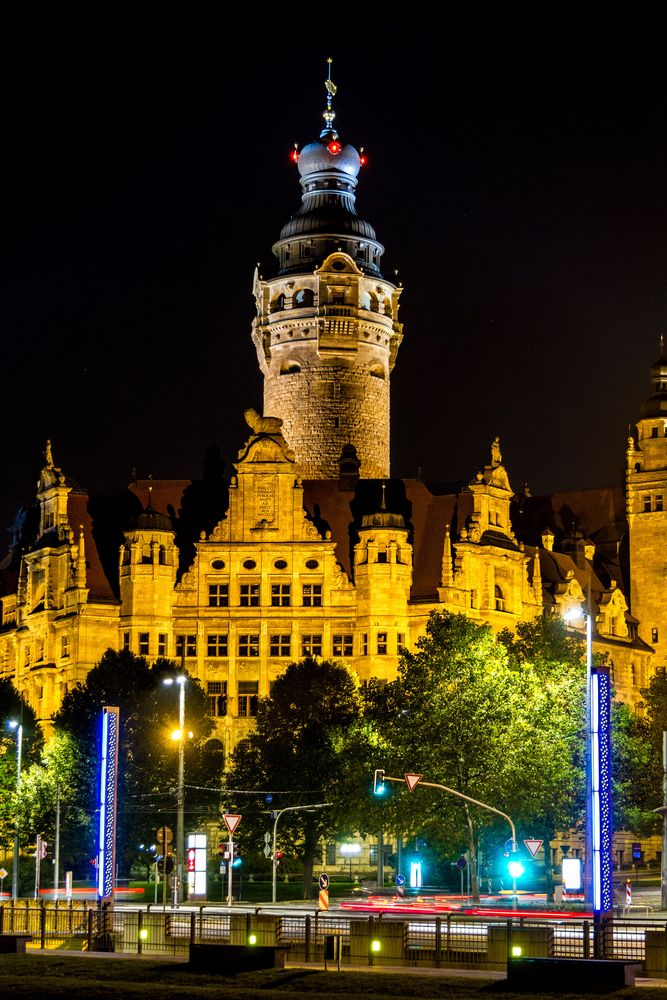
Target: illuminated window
(249, 595)
(186, 645)
(162, 644)
(247, 698)
(248, 645)
(654, 635)
(382, 643)
(217, 645)
(499, 598)
(647, 504)
(26, 656)
(400, 640)
(217, 698)
(364, 644)
(343, 645)
(39, 651)
(331, 855)
(280, 645)
(312, 595)
(144, 642)
(49, 520)
(64, 646)
(311, 645)
(218, 595)
(280, 595)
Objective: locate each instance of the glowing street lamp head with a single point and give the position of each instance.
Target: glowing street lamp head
(573, 615)
(13, 724)
(176, 735)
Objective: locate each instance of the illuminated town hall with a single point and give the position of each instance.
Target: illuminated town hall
(311, 548)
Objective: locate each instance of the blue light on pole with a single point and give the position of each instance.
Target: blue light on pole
(106, 858)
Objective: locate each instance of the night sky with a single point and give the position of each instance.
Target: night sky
(517, 178)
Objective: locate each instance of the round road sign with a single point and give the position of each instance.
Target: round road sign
(324, 881)
(400, 880)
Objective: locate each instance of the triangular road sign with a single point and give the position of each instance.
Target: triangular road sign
(411, 780)
(231, 821)
(533, 846)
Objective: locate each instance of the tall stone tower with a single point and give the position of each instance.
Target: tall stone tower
(646, 498)
(327, 330)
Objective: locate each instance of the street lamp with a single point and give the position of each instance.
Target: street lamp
(13, 724)
(598, 777)
(179, 735)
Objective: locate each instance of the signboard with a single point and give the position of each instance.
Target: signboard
(510, 846)
(164, 835)
(400, 880)
(412, 780)
(636, 852)
(533, 846)
(324, 881)
(232, 820)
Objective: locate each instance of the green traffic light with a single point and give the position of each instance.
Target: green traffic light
(515, 869)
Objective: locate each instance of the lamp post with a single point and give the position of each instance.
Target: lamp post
(15, 867)
(179, 735)
(276, 816)
(598, 780)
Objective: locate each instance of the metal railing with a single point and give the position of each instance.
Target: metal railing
(448, 940)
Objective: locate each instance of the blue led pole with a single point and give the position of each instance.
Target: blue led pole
(106, 858)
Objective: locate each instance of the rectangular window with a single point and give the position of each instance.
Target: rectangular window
(217, 645)
(26, 656)
(218, 595)
(331, 855)
(654, 635)
(400, 640)
(144, 642)
(343, 645)
(311, 645)
(374, 852)
(382, 556)
(39, 651)
(364, 644)
(280, 645)
(249, 595)
(280, 595)
(247, 698)
(248, 645)
(312, 595)
(162, 644)
(217, 698)
(658, 501)
(64, 646)
(186, 645)
(647, 504)
(126, 640)
(49, 520)
(382, 643)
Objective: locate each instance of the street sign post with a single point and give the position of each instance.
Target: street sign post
(232, 820)
(533, 846)
(324, 891)
(412, 780)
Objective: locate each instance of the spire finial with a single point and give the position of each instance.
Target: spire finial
(383, 505)
(662, 345)
(329, 114)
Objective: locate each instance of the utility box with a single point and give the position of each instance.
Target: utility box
(265, 927)
(391, 938)
(656, 953)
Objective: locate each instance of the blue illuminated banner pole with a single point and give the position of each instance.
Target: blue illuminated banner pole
(106, 858)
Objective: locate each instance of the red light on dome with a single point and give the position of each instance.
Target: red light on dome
(362, 160)
(334, 147)
(294, 156)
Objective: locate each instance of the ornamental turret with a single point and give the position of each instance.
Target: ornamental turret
(327, 330)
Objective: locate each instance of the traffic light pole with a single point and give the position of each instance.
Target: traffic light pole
(459, 795)
(276, 817)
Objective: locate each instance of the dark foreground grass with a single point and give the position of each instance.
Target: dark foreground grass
(23, 976)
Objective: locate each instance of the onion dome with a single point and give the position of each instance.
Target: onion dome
(327, 220)
(656, 405)
(150, 520)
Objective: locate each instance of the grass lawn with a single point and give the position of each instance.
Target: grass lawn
(23, 976)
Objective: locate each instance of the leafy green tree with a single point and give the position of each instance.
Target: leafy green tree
(451, 715)
(147, 762)
(14, 708)
(310, 746)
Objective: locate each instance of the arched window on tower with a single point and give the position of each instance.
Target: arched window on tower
(146, 554)
(377, 371)
(290, 368)
(387, 307)
(277, 304)
(374, 303)
(162, 556)
(499, 598)
(305, 297)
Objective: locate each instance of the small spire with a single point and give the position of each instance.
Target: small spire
(537, 578)
(81, 560)
(662, 346)
(447, 575)
(329, 114)
(383, 505)
(149, 505)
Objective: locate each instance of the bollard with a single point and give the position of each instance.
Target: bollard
(438, 940)
(42, 925)
(587, 939)
(2, 920)
(140, 924)
(193, 927)
(91, 917)
(370, 938)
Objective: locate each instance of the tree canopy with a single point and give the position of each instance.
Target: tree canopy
(147, 765)
(14, 709)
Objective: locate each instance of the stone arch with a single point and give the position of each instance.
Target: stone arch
(499, 598)
(377, 371)
(387, 307)
(304, 297)
(277, 304)
(290, 368)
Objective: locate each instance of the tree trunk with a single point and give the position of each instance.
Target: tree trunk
(472, 855)
(309, 845)
(548, 867)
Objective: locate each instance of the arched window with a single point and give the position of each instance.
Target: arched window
(162, 557)
(499, 598)
(278, 304)
(290, 367)
(387, 307)
(377, 371)
(304, 297)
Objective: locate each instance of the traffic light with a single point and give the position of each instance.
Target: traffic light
(278, 856)
(379, 786)
(237, 862)
(515, 868)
